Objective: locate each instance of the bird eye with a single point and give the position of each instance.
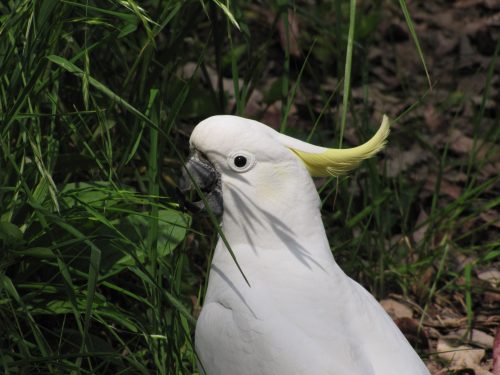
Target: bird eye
(241, 161)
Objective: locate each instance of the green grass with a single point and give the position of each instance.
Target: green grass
(98, 263)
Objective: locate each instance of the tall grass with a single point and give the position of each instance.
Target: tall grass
(91, 281)
(100, 269)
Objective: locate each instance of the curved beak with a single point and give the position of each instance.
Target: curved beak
(199, 175)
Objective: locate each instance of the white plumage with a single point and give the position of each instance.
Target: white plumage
(300, 314)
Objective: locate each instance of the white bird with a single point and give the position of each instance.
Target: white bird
(299, 313)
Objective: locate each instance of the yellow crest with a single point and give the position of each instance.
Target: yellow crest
(322, 161)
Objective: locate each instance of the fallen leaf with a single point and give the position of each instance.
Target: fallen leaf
(459, 357)
(446, 44)
(482, 23)
(491, 217)
(463, 144)
(434, 369)
(293, 32)
(445, 187)
(195, 305)
(191, 68)
(481, 371)
(492, 169)
(493, 4)
(475, 337)
(491, 275)
(448, 322)
(432, 118)
(272, 115)
(472, 84)
(254, 104)
(491, 298)
(496, 353)
(396, 309)
(421, 287)
(413, 332)
(390, 80)
(399, 161)
(465, 62)
(419, 234)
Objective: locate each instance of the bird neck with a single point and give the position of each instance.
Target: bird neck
(288, 220)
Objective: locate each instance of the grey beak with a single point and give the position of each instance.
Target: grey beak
(201, 173)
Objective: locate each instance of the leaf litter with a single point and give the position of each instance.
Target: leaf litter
(459, 39)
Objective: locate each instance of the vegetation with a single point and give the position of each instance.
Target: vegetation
(101, 271)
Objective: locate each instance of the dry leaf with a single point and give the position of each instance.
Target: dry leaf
(272, 115)
(446, 44)
(432, 118)
(496, 353)
(396, 309)
(462, 144)
(475, 337)
(195, 305)
(491, 298)
(434, 369)
(445, 187)
(293, 32)
(491, 217)
(413, 332)
(460, 357)
(399, 161)
(419, 234)
(421, 287)
(493, 4)
(491, 275)
(483, 23)
(254, 104)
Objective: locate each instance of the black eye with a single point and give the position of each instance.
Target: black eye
(240, 161)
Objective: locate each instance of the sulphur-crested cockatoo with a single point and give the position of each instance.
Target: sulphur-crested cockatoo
(297, 312)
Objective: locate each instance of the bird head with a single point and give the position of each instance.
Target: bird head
(244, 160)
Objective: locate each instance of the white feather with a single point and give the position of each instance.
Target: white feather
(301, 314)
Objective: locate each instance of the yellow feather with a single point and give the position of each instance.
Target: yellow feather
(336, 162)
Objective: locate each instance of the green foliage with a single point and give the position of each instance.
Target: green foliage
(97, 99)
(92, 261)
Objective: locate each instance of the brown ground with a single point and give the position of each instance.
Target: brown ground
(458, 39)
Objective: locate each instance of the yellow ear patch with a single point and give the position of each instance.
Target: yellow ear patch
(336, 162)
